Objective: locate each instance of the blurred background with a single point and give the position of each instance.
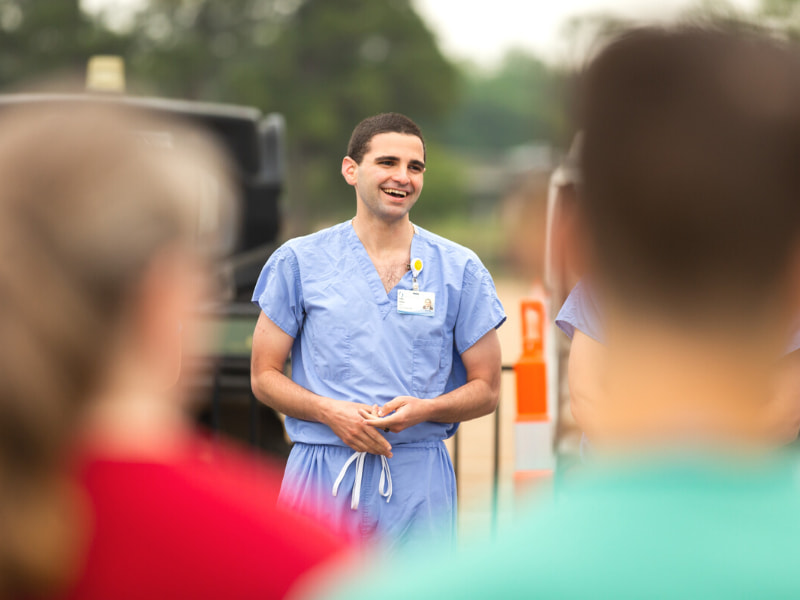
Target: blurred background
(490, 84)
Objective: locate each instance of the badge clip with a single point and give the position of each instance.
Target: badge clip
(416, 267)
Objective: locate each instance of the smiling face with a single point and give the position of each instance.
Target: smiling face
(388, 180)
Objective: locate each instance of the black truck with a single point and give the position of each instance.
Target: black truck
(255, 144)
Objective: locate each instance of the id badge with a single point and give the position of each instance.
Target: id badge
(411, 302)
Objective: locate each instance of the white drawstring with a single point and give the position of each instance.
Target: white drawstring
(384, 485)
(383, 489)
(359, 458)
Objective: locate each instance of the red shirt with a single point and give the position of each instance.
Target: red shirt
(201, 525)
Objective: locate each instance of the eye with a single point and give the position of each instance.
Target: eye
(387, 163)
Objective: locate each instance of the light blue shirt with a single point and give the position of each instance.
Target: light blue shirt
(350, 342)
(580, 311)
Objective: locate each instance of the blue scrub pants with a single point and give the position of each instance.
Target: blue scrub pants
(422, 507)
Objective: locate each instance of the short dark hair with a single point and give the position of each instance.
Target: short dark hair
(382, 123)
(691, 169)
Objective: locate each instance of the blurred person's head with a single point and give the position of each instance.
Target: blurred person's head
(691, 198)
(100, 264)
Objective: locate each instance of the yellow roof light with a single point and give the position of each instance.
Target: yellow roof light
(106, 74)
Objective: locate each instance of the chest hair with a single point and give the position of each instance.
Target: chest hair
(391, 273)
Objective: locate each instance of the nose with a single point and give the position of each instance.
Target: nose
(401, 175)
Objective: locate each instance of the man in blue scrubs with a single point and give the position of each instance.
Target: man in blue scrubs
(378, 380)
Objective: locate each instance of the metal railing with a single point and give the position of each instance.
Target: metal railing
(495, 457)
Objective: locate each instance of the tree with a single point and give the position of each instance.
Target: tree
(41, 37)
(783, 15)
(324, 64)
(520, 102)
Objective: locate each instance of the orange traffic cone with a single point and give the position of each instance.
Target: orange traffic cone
(533, 439)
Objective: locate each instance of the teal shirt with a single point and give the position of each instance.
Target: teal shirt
(661, 530)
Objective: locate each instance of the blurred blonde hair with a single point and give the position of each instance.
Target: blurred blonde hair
(89, 193)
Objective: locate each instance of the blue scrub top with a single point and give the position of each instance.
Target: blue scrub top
(350, 342)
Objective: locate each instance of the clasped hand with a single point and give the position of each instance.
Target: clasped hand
(348, 421)
(396, 415)
(359, 426)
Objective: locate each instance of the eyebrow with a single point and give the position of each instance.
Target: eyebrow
(416, 162)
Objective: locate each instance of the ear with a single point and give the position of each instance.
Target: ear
(350, 170)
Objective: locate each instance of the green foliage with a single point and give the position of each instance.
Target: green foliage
(787, 10)
(445, 190)
(205, 50)
(520, 102)
(324, 64)
(38, 37)
(783, 15)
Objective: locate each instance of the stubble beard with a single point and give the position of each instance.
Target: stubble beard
(388, 214)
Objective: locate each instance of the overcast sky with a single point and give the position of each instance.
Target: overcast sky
(484, 31)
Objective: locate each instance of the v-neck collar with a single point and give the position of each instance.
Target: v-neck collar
(385, 300)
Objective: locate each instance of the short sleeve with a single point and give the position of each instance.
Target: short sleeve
(479, 310)
(580, 311)
(279, 293)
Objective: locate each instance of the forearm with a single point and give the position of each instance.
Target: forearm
(276, 390)
(476, 398)
(271, 347)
